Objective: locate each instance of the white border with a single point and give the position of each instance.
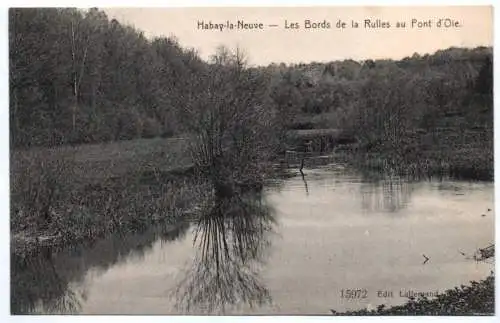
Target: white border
(4, 157)
(229, 3)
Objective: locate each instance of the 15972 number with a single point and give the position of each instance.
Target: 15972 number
(353, 293)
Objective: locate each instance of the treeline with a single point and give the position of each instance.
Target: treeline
(77, 77)
(324, 95)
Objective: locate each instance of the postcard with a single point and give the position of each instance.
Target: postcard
(252, 161)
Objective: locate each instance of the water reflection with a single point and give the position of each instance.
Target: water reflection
(37, 286)
(232, 236)
(52, 282)
(390, 194)
(305, 183)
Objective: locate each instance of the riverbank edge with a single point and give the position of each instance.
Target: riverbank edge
(412, 155)
(475, 299)
(28, 243)
(470, 166)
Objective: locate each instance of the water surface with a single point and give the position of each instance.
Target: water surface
(290, 250)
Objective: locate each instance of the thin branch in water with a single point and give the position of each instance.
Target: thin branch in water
(305, 183)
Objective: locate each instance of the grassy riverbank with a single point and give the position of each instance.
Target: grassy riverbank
(74, 194)
(478, 298)
(463, 163)
(466, 155)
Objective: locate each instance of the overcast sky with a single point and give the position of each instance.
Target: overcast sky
(277, 44)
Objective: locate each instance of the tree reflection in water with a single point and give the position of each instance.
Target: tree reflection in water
(38, 287)
(232, 235)
(54, 282)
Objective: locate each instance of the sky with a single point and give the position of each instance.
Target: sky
(280, 44)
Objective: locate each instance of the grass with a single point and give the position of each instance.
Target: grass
(449, 153)
(478, 298)
(459, 146)
(95, 162)
(72, 194)
(82, 217)
(466, 164)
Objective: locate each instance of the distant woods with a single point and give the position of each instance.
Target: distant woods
(78, 77)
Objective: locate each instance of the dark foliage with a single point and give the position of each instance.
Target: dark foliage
(76, 77)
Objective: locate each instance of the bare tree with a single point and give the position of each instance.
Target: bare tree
(78, 59)
(232, 122)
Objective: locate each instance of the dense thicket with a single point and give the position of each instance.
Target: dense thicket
(76, 77)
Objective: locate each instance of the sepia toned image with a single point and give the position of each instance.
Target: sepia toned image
(252, 160)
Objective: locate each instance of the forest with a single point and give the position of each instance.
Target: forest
(78, 77)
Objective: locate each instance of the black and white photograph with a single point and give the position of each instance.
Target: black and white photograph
(308, 160)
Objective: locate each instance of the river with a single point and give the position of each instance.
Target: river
(295, 248)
